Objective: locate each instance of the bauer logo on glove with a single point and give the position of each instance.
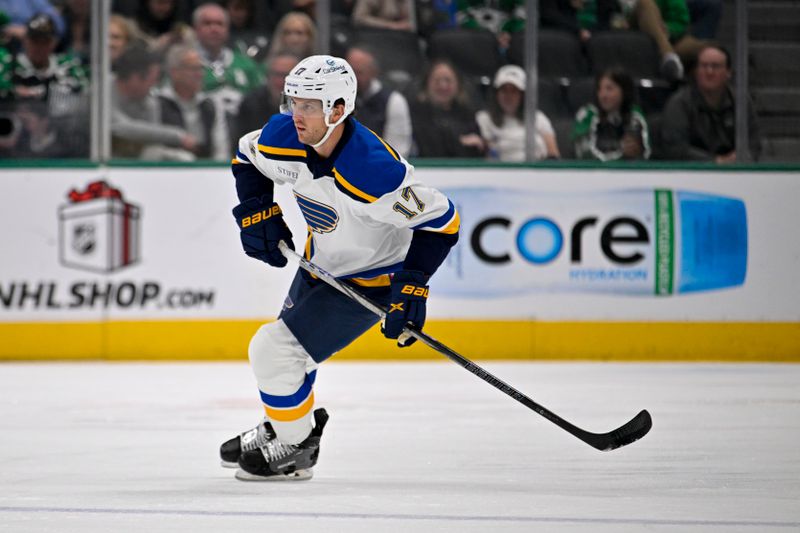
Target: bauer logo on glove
(262, 228)
(407, 306)
(260, 216)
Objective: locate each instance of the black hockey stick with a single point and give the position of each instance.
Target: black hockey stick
(630, 432)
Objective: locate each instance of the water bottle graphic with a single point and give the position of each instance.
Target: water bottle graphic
(632, 241)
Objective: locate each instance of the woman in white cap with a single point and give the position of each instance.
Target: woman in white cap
(502, 125)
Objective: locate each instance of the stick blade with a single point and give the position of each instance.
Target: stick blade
(626, 434)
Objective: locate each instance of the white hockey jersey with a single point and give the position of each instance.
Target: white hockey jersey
(362, 204)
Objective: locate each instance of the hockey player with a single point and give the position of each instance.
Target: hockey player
(370, 222)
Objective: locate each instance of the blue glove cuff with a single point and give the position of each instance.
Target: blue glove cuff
(410, 276)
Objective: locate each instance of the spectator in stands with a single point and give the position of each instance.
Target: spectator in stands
(502, 17)
(34, 85)
(40, 74)
(295, 34)
(264, 101)
(502, 126)
(50, 90)
(247, 36)
(185, 106)
(229, 74)
(700, 119)
(19, 12)
(442, 120)
(380, 109)
(159, 23)
(664, 20)
(77, 38)
(136, 129)
(613, 126)
(121, 34)
(385, 14)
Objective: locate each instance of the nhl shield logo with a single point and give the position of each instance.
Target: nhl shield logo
(84, 240)
(98, 229)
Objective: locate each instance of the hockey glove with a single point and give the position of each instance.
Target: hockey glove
(262, 227)
(407, 307)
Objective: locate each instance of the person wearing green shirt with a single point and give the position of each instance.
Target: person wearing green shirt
(229, 74)
(612, 127)
(501, 17)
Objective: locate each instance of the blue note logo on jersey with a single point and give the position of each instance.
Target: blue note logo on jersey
(320, 218)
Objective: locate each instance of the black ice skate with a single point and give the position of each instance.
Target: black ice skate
(275, 461)
(230, 450)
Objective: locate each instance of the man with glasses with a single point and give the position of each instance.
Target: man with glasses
(371, 223)
(700, 119)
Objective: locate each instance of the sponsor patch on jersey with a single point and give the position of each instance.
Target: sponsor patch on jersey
(320, 218)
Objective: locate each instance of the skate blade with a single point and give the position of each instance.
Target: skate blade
(228, 464)
(298, 475)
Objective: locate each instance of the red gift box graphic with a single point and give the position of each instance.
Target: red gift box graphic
(99, 230)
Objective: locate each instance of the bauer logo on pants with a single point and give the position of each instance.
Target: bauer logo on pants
(98, 229)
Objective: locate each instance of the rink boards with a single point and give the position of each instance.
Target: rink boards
(553, 263)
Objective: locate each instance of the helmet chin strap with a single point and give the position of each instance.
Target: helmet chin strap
(331, 127)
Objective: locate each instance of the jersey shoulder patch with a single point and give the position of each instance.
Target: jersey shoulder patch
(367, 168)
(278, 140)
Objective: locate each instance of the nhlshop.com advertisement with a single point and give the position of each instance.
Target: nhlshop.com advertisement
(98, 231)
(79, 245)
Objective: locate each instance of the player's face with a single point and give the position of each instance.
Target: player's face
(609, 95)
(309, 119)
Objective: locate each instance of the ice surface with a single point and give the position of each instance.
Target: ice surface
(419, 446)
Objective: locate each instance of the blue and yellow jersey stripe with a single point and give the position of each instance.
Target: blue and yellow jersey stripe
(351, 190)
(368, 167)
(278, 140)
(276, 152)
(386, 145)
(240, 159)
(448, 223)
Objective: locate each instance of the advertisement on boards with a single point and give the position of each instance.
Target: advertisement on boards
(161, 244)
(646, 242)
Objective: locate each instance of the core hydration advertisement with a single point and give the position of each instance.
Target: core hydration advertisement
(642, 241)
